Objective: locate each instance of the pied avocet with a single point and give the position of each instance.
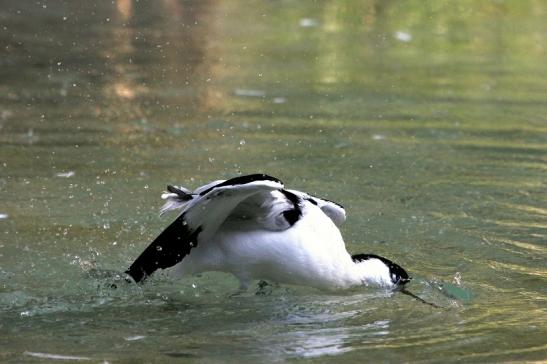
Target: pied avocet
(254, 228)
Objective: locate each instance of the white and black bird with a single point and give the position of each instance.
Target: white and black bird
(254, 228)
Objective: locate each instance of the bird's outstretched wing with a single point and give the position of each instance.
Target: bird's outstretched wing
(177, 198)
(256, 197)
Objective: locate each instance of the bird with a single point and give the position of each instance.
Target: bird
(254, 228)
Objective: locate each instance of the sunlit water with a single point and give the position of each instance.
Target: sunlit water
(426, 120)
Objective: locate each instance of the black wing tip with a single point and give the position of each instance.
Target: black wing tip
(312, 200)
(169, 248)
(255, 177)
(242, 180)
(138, 275)
(182, 195)
(326, 200)
(335, 203)
(398, 275)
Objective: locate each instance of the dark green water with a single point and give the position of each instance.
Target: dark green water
(427, 120)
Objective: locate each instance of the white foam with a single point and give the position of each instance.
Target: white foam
(66, 174)
(134, 338)
(55, 356)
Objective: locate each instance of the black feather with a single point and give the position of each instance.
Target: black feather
(168, 249)
(180, 193)
(294, 214)
(241, 180)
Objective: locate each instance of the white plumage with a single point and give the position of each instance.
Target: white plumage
(254, 228)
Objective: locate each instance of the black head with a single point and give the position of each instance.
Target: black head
(398, 275)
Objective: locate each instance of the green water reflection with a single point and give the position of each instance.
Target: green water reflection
(425, 119)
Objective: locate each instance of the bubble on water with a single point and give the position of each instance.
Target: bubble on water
(30, 135)
(159, 248)
(378, 137)
(249, 93)
(403, 36)
(242, 142)
(307, 22)
(3, 216)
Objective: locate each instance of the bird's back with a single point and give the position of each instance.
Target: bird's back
(310, 252)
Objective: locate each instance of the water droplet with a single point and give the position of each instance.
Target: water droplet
(279, 100)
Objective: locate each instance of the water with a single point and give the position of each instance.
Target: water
(426, 120)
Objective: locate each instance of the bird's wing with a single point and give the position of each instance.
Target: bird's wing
(254, 199)
(177, 198)
(333, 210)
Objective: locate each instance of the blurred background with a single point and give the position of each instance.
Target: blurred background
(427, 120)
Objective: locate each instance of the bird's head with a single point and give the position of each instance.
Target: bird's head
(380, 271)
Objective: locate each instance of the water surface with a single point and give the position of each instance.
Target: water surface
(425, 119)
